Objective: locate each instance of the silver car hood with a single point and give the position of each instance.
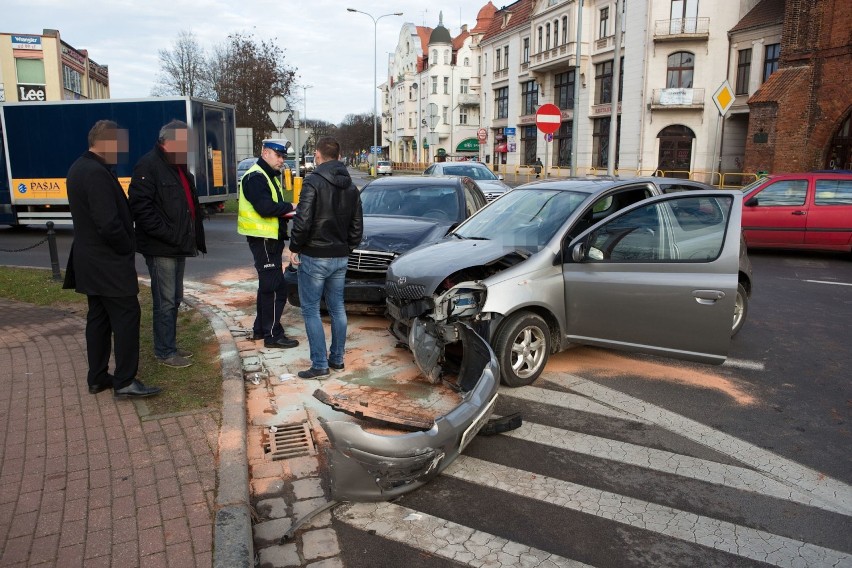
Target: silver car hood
(492, 186)
(429, 265)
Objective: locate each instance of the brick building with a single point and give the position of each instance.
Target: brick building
(799, 119)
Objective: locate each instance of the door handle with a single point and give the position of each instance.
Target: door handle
(708, 296)
(799, 213)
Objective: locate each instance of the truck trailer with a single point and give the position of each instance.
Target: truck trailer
(40, 140)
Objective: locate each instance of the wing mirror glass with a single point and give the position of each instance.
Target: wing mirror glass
(578, 252)
(752, 202)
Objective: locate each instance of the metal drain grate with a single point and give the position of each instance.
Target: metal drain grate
(289, 441)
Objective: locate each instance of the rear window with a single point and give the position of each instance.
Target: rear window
(384, 163)
(833, 192)
(432, 201)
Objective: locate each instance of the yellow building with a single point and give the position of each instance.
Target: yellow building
(45, 68)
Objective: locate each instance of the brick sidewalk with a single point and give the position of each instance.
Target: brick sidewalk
(84, 480)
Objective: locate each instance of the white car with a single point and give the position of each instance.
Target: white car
(384, 168)
(491, 185)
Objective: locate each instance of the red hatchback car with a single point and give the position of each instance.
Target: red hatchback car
(800, 211)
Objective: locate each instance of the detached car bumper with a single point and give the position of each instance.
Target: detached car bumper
(373, 467)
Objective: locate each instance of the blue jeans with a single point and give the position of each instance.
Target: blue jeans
(167, 293)
(323, 278)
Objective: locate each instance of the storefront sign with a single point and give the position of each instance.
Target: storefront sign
(26, 42)
(99, 71)
(31, 93)
(73, 55)
(468, 145)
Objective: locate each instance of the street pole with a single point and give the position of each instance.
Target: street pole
(575, 122)
(616, 74)
(307, 135)
(375, 78)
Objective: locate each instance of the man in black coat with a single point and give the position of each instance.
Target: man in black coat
(169, 228)
(102, 264)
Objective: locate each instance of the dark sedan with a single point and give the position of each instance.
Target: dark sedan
(400, 214)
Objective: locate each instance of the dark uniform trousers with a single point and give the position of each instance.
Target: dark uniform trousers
(108, 316)
(271, 289)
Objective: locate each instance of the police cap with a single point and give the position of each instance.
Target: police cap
(279, 145)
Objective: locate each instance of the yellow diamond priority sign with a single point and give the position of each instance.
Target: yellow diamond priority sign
(723, 97)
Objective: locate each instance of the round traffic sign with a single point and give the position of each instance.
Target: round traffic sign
(482, 134)
(548, 117)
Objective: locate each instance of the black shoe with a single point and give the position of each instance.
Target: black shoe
(95, 389)
(336, 366)
(281, 342)
(313, 373)
(135, 390)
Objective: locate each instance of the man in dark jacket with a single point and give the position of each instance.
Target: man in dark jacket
(102, 264)
(328, 226)
(169, 228)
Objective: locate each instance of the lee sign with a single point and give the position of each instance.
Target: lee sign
(31, 93)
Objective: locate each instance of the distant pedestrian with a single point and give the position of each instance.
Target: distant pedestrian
(328, 226)
(537, 165)
(262, 218)
(169, 229)
(102, 264)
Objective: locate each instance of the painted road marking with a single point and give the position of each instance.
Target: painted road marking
(744, 364)
(445, 538)
(662, 461)
(826, 282)
(567, 401)
(827, 493)
(706, 531)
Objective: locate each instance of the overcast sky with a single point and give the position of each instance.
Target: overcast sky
(332, 49)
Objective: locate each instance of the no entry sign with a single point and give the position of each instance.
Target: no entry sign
(548, 118)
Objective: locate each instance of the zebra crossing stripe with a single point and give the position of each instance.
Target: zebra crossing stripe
(445, 538)
(706, 531)
(660, 460)
(826, 493)
(568, 401)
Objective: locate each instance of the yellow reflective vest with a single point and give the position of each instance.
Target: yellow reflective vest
(249, 222)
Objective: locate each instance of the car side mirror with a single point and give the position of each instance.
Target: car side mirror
(500, 177)
(752, 202)
(578, 252)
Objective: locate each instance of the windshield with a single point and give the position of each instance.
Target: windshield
(433, 201)
(525, 219)
(471, 171)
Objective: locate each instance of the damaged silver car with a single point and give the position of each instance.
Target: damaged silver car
(609, 263)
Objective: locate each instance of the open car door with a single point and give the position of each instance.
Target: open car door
(658, 277)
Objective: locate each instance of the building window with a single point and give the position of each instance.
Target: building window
(467, 61)
(564, 90)
(446, 56)
(446, 85)
(743, 71)
(603, 29)
(680, 70)
(547, 37)
(555, 33)
(529, 97)
(434, 85)
(72, 80)
(684, 16)
(603, 82)
(498, 59)
(600, 142)
(465, 86)
(564, 29)
(770, 62)
(529, 138)
(462, 115)
(506, 57)
(434, 57)
(30, 71)
(501, 102)
(444, 114)
(563, 144)
(410, 120)
(525, 57)
(540, 39)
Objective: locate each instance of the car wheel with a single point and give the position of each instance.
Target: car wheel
(740, 310)
(523, 347)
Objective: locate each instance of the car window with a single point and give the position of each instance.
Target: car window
(474, 171)
(665, 231)
(833, 192)
(787, 192)
(429, 171)
(440, 202)
(474, 200)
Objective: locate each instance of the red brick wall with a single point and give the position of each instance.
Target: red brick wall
(801, 125)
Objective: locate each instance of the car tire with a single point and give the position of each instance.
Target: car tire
(740, 309)
(522, 348)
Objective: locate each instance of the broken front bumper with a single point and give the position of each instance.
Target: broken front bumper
(373, 467)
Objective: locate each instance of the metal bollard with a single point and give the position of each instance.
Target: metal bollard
(54, 256)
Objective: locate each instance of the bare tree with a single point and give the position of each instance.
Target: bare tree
(355, 134)
(247, 73)
(183, 69)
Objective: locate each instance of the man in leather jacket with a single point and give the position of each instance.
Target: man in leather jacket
(328, 226)
(169, 228)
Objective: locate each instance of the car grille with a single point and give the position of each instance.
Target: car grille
(370, 261)
(404, 292)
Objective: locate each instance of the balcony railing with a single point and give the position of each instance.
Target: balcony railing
(468, 99)
(501, 74)
(682, 28)
(677, 98)
(558, 55)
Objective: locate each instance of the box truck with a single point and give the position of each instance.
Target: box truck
(40, 140)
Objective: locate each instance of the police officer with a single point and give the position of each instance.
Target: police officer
(263, 219)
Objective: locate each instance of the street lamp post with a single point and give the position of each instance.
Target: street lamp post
(307, 126)
(375, 77)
